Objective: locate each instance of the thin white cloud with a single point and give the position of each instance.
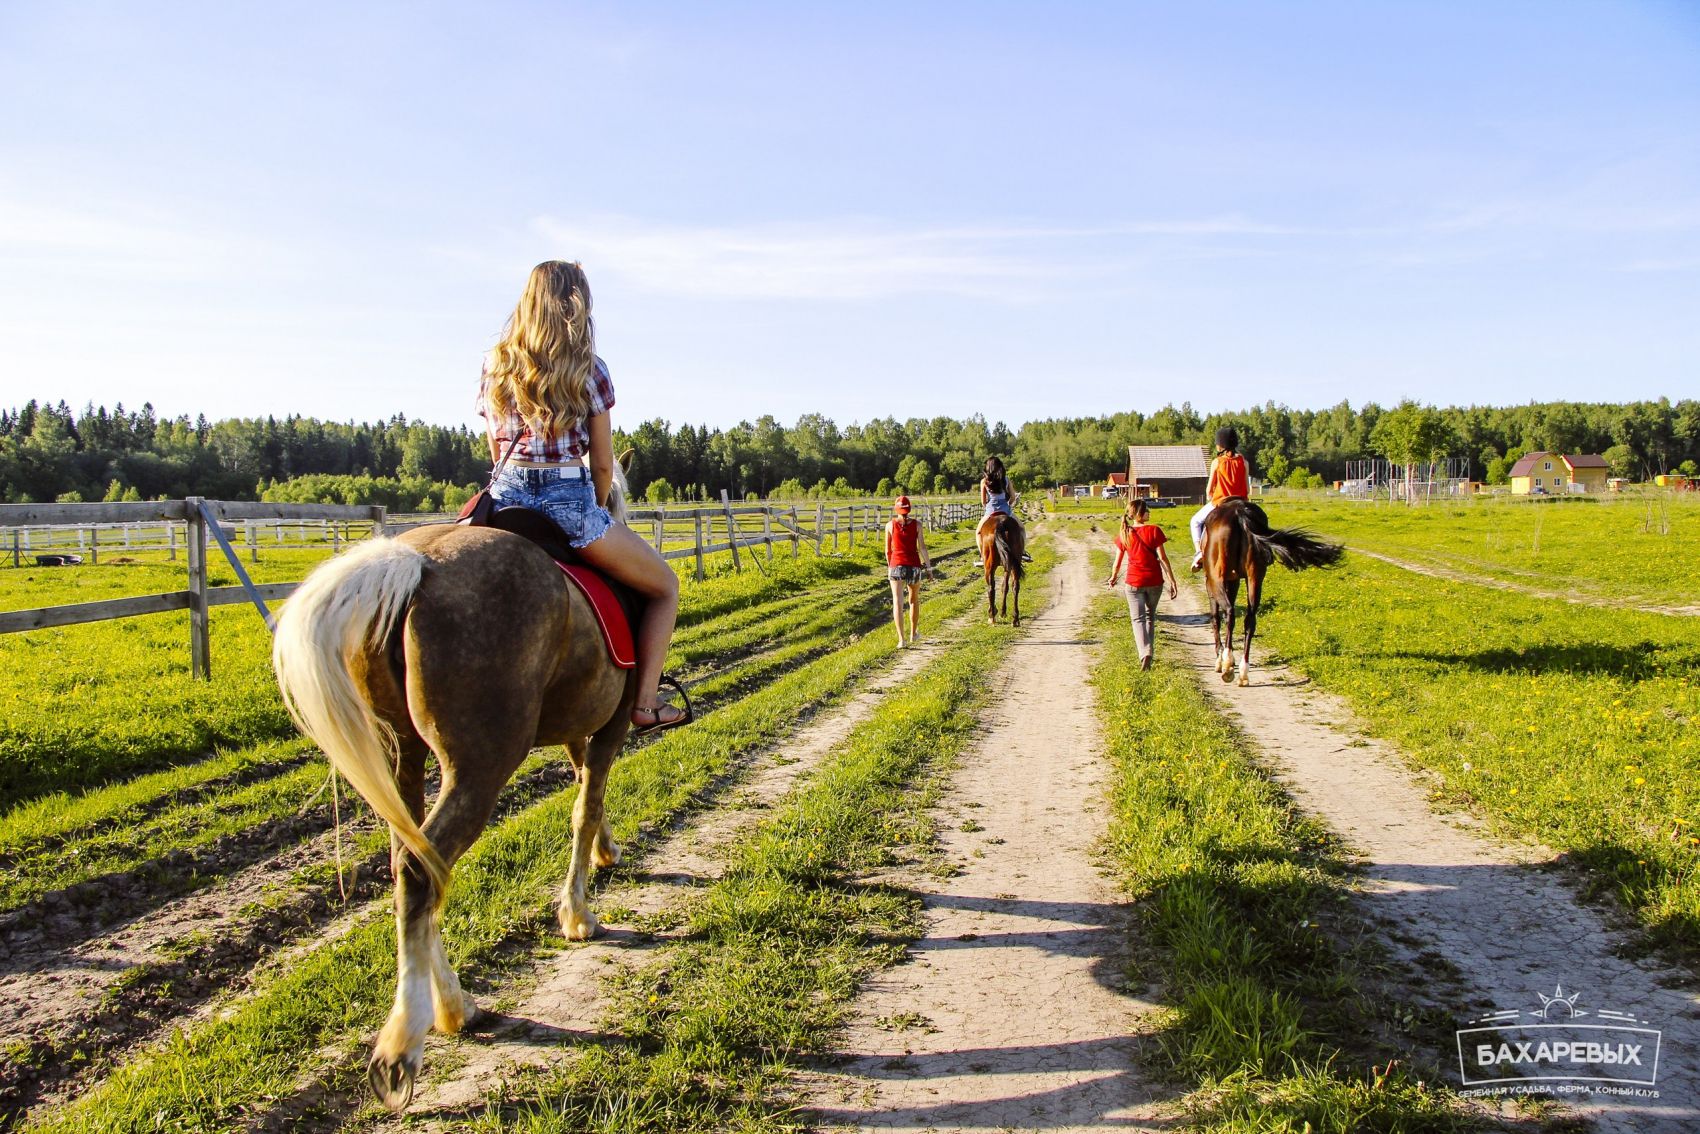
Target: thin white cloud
(77, 238)
(861, 259)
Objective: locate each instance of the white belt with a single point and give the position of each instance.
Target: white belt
(562, 472)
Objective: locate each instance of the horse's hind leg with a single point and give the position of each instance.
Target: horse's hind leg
(427, 990)
(1253, 595)
(1225, 665)
(1017, 620)
(591, 834)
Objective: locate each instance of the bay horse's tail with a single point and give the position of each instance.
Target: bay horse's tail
(1009, 555)
(1296, 548)
(344, 606)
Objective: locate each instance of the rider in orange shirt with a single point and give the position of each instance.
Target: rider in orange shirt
(1229, 477)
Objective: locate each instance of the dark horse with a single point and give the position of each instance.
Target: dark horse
(469, 644)
(1239, 545)
(1002, 542)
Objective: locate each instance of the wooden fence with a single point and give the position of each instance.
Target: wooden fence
(686, 531)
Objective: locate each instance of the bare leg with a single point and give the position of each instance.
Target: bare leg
(622, 555)
(897, 609)
(914, 611)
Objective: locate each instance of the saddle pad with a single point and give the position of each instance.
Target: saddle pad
(610, 615)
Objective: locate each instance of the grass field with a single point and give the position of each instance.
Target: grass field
(1631, 548)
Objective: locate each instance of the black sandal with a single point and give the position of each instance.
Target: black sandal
(657, 724)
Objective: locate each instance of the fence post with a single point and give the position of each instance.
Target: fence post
(380, 520)
(17, 549)
(697, 517)
(94, 546)
(170, 542)
(731, 531)
(253, 544)
(195, 535)
(660, 528)
(767, 530)
(796, 532)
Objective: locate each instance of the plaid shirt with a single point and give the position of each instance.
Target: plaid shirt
(567, 444)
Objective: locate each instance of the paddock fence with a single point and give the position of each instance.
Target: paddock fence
(46, 536)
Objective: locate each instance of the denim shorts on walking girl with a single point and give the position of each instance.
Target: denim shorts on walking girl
(565, 495)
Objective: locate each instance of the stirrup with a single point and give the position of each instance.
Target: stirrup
(659, 725)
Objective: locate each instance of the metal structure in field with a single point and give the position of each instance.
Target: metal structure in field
(1377, 478)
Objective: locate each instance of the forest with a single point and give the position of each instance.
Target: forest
(49, 452)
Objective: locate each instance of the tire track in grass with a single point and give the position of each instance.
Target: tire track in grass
(1440, 569)
(1493, 922)
(1013, 1013)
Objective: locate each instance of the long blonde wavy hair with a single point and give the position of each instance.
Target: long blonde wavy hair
(541, 367)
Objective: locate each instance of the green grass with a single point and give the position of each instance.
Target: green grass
(1569, 724)
(1637, 548)
(214, 1071)
(1233, 890)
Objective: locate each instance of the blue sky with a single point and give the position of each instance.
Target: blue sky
(865, 209)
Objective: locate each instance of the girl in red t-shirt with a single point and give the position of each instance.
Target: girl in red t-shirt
(1141, 542)
(906, 558)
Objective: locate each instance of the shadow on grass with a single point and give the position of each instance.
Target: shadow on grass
(1636, 662)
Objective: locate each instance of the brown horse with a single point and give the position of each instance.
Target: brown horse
(470, 644)
(1002, 542)
(1239, 545)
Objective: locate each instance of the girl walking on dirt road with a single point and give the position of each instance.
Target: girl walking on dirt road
(1141, 543)
(906, 558)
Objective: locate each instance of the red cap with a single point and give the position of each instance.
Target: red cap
(902, 504)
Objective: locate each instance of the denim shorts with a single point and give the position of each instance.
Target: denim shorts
(905, 574)
(569, 500)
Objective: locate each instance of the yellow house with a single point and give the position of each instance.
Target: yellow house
(1549, 474)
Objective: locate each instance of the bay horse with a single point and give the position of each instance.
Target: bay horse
(1238, 544)
(470, 644)
(1002, 540)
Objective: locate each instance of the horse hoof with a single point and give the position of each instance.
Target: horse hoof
(607, 856)
(392, 1080)
(449, 1023)
(580, 928)
(1245, 680)
(1227, 675)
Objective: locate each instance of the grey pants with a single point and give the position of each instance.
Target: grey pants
(1142, 609)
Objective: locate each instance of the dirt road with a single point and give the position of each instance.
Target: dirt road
(1011, 1013)
(1494, 927)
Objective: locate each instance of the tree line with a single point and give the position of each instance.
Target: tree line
(49, 452)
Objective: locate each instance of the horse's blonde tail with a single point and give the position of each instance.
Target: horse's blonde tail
(343, 607)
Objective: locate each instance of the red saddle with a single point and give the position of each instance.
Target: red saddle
(616, 606)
